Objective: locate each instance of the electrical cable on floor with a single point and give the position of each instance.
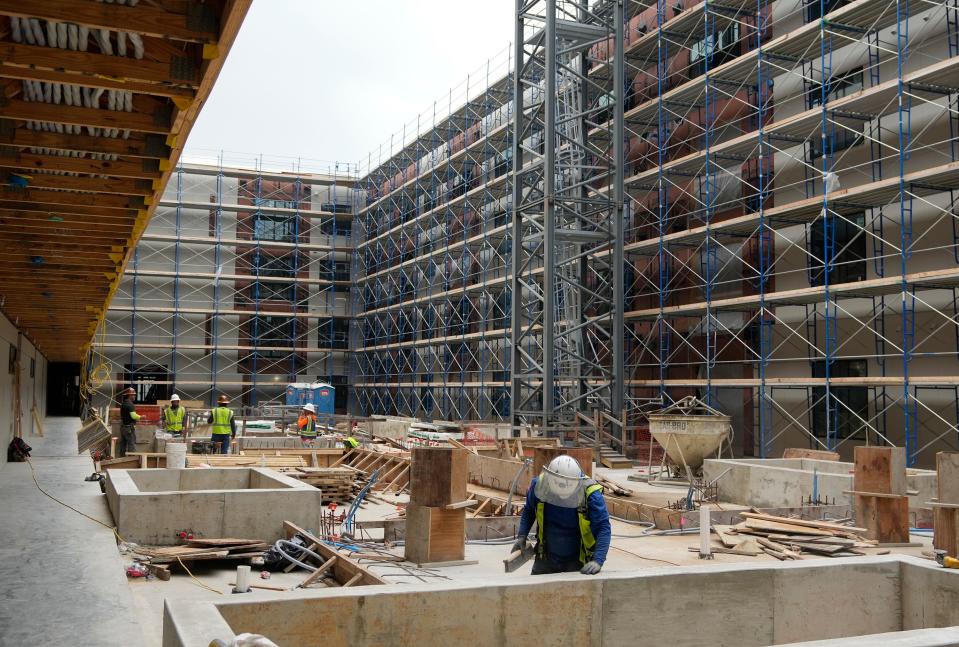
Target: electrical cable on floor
(651, 559)
(33, 473)
(206, 586)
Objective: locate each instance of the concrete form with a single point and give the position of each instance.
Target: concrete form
(785, 482)
(150, 505)
(737, 605)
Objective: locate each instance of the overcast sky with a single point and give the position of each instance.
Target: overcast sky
(334, 79)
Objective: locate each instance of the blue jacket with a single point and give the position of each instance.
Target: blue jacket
(562, 527)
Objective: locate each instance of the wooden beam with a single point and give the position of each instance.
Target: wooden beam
(159, 121)
(68, 212)
(88, 68)
(42, 196)
(146, 169)
(122, 186)
(199, 23)
(102, 82)
(344, 568)
(149, 146)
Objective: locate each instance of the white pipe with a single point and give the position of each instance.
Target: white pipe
(62, 35)
(28, 32)
(121, 43)
(705, 549)
(15, 29)
(242, 579)
(73, 36)
(84, 38)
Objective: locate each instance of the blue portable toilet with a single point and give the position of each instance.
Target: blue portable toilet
(319, 394)
(323, 396)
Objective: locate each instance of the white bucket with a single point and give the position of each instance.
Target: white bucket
(175, 455)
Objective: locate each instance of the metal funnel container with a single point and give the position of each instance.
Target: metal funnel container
(689, 431)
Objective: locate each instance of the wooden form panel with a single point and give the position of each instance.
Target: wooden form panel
(882, 507)
(435, 534)
(946, 507)
(438, 476)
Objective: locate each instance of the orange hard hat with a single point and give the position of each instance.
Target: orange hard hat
(223, 399)
(129, 391)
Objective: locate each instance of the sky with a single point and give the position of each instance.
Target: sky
(332, 80)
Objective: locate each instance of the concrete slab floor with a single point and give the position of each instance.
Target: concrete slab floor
(63, 579)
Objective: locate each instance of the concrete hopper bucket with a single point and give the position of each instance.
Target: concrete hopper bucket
(689, 431)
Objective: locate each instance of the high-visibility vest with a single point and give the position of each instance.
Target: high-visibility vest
(174, 418)
(307, 425)
(352, 442)
(587, 542)
(221, 420)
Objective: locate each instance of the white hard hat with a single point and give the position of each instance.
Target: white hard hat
(174, 398)
(309, 407)
(565, 465)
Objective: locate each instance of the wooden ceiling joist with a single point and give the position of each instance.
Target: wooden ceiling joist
(150, 146)
(158, 122)
(39, 197)
(69, 222)
(87, 68)
(193, 22)
(92, 184)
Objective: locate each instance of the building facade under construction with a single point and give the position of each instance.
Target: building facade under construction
(748, 201)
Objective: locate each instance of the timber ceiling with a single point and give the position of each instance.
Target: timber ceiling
(96, 102)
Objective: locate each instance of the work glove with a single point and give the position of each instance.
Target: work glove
(520, 544)
(591, 568)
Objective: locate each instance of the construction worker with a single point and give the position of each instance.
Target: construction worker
(350, 442)
(224, 424)
(128, 421)
(572, 524)
(306, 425)
(173, 416)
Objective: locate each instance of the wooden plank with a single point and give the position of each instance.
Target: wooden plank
(774, 526)
(318, 573)
(60, 114)
(147, 146)
(816, 454)
(461, 504)
(809, 523)
(886, 519)
(344, 568)
(880, 469)
(145, 18)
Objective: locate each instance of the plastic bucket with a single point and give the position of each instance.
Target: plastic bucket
(175, 455)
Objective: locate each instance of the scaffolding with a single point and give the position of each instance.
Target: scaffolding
(239, 285)
(432, 256)
(789, 235)
(749, 201)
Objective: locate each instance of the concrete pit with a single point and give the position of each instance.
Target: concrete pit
(150, 506)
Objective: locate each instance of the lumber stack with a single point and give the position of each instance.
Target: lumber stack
(93, 435)
(227, 460)
(336, 483)
(786, 538)
(202, 549)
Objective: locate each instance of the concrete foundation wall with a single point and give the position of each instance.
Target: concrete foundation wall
(772, 483)
(250, 503)
(739, 605)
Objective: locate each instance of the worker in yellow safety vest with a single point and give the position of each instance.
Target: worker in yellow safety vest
(351, 442)
(173, 416)
(224, 424)
(572, 523)
(306, 425)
